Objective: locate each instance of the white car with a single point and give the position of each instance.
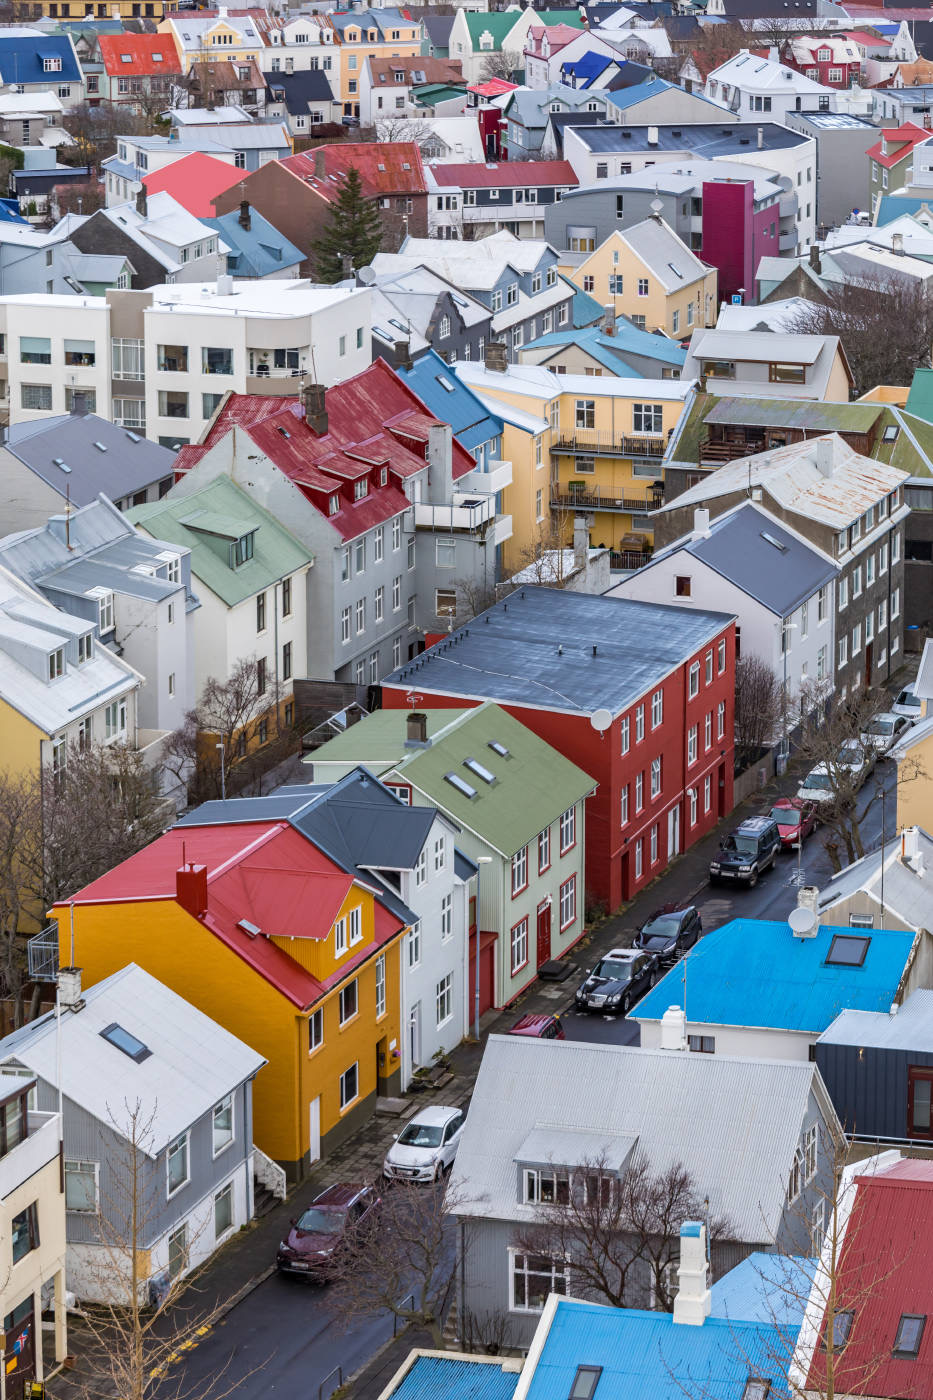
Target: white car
(426, 1147)
(909, 704)
(884, 731)
(819, 785)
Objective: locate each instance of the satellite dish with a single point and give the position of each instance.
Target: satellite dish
(802, 921)
(601, 720)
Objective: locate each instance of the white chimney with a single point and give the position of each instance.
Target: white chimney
(761, 138)
(897, 243)
(911, 855)
(824, 456)
(674, 1029)
(69, 988)
(701, 523)
(804, 918)
(652, 136)
(692, 1304)
(581, 541)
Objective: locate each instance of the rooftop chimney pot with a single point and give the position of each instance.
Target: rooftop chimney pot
(191, 889)
(693, 1302)
(69, 989)
(315, 407)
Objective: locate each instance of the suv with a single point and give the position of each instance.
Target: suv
(617, 981)
(747, 851)
(669, 933)
(540, 1025)
(315, 1240)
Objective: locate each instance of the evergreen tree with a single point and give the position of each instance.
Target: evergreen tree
(352, 232)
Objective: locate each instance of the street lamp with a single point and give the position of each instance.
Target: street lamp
(223, 772)
(480, 861)
(786, 627)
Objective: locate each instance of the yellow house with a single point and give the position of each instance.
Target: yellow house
(914, 758)
(363, 34)
(589, 443)
(202, 40)
(252, 923)
(90, 10)
(650, 275)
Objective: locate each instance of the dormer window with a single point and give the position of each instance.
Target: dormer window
(85, 646)
(241, 551)
(360, 489)
(51, 65)
(547, 1187)
(333, 505)
(56, 664)
(105, 613)
(383, 475)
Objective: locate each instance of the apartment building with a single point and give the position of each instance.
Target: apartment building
(364, 34)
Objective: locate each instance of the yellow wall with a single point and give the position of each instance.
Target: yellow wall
(915, 785)
(20, 743)
(98, 9)
(663, 309)
(837, 389)
(520, 499)
(406, 46)
(236, 51)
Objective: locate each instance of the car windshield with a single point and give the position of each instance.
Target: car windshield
(668, 924)
(612, 967)
(822, 782)
(786, 816)
(421, 1135)
(881, 726)
(907, 697)
(740, 845)
(321, 1222)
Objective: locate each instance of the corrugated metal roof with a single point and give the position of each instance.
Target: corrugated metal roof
(769, 1288)
(755, 972)
(788, 413)
(910, 1029)
(907, 894)
(377, 741)
(456, 1379)
(736, 1122)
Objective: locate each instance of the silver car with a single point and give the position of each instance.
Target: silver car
(426, 1147)
(883, 732)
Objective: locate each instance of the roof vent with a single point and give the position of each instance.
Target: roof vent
(101, 447)
(249, 928)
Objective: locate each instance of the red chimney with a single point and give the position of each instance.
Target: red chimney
(191, 889)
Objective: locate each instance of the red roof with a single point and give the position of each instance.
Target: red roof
(883, 1273)
(194, 181)
(264, 872)
(494, 87)
(385, 167)
(901, 141)
(510, 172)
(373, 420)
(141, 50)
(860, 36)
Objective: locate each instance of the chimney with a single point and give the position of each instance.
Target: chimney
(191, 888)
(815, 262)
(692, 1304)
(824, 456)
(142, 207)
(69, 989)
(244, 220)
(315, 406)
(700, 523)
(79, 404)
(607, 322)
(440, 464)
(495, 356)
(897, 244)
(416, 728)
(674, 1029)
(581, 541)
(911, 855)
(652, 136)
(804, 918)
(403, 358)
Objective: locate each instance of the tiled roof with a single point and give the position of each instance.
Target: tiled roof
(194, 181)
(139, 55)
(385, 167)
(508, 173)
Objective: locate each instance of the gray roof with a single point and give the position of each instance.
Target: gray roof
(510, 652)
(735, 1123)
(911, 1028)
(130, 464)
(700, 139)
(906, 894)
(741, 547)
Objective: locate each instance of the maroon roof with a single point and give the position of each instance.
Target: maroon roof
(518, 172)
(385, 167)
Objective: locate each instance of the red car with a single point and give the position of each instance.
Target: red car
(796, 820)
(315, 1241)
(540, 1025)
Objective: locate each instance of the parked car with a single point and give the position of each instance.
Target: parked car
(617, 981)
(796, 820)
(746, 852)
(349, 121)
(539, 1025)
(426, 1147)
(315, 1240)
(908, 704)
(821, 785)
(884, 731)
(669, 933)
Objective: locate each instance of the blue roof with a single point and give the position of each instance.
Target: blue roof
(755, 972)
(769, 1288)
(647, 1356)
(258, 250)
(893, 206)
(21, 59)
(610, 350)
(585, 310)
(451, 401)
(9, 212)
(587, 67)
(432, 1376)
(627, 97)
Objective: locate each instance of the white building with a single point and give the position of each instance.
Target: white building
(186, 249)
(303, 43)
(752, 86)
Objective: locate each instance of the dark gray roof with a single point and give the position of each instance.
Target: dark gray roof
(702, 140)
(740, 549)
(536, 648)
(301, 88)
(131, 463)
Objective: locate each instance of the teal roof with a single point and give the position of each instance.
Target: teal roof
(456, 1378)
(609, 350)
(378, 741)
(257, 251)
(920, 399)
(893, 206)
(206, 521)
(586, 310)
(499, 25)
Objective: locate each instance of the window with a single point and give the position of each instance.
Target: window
(223, 1211)
(519, 871)
(445, 554)
(682, 586)
(694, 684)
(37, 397)
(81, 1186)
(856, 581)
(655, 777)
(708, 732)
(639, 724)
(421, 869)
(544, 850)
(625, 734)
(847, 950)
(397, 533)
(585, 413)
(545, 1187)
(360, 615)
(707, 794)
(216, 360)
(178, 1251)
(568, 902)
(25, 1232)
(587, 1377)
(843, 651)
(315, 1030)
(639, 856)
(359, 556)
(349, 1002)
(533, 1278)
(702, 1044)
(414, 945)
(709, 668)
(519, 945)
(692, 799)
(172, 403)
(909, 1334)
(287, 661)
(356, 925)
(643, 286)
(443, 1000)
(568, 830)
(115, 719)
(345, 625)
(378, 604)
(260, 612)
(639, 791)
(177, 1164)
(349, 1085)
(222, 1124)
(895, 548)
(440, 853)
(35, 350)
(895, 608)
(647, 417)
(657, 708)
(842, 1326)
(340, 937)
(397, 593)
(810, 1152)
(692, 744)
(261, 676)
(447, 917)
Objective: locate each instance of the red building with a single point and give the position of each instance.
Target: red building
(831, 59)
(638, 695)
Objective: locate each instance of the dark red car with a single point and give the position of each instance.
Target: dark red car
(540, 1025)
(314, 1241)
(796, 820)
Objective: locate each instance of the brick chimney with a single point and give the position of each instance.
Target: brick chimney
(495, 356)
(416, 728)
(315, 407)
(191, 889)
(142, 206)
(244, 220)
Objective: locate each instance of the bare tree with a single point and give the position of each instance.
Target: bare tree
(395, 129)
(499, 65)
(617, 1230)
(758, 709)
(77, 199)
(95, 130)
(885, 324)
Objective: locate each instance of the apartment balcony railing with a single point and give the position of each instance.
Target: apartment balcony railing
(488, 483)
(598, 442)
(42, 955)
(564, 498)
(624, 560)
(463, 513)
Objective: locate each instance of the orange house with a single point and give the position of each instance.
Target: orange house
(254, 925)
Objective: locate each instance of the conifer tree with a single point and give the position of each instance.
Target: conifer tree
(352, 233)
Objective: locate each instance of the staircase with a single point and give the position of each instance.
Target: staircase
(269, 1185)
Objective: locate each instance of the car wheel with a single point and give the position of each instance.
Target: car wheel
(753, 878)
(625, 1004)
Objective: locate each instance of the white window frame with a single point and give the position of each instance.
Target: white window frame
(181, 1143)
(225, 1103)
(444, 1000)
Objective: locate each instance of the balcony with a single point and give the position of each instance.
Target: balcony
(464, 513)
(597, 442)
(787, 242)
(32, 1154)
(501, 530)
(564, 498)
(487, 483)
(625, 560)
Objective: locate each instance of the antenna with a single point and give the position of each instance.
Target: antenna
(68, 524)
(72, 908)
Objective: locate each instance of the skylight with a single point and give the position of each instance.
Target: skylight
(585, 1382)
(121, 1039)
(771, 540)
(498, 748)
(479, 770)
(249, 928)
(457, 782)
(847, 951)
(676, 271)
(756, 1388)
(842, 1326)
(101, 447)
(445, 383)
(909, 1334)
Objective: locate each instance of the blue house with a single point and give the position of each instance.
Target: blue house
(43, 62)
(754, 987)
(454, 402)
(257, 249)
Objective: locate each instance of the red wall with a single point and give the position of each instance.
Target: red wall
(735, 237)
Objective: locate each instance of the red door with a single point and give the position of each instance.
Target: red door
(544, 932)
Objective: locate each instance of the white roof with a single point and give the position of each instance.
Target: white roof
(470, 265)
(190, 29)
(749, 72)
(165, 222)
(771, 315)
(460, 134)
(210, 116)
(759, 347)
(15, 104)
(658, 247)
(252, 296)
(840, 50)
(539, 382)
(193, 1062)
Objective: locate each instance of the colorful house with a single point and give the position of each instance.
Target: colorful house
(650, 275)
(363, 34)
(137, 68)
(258, 928)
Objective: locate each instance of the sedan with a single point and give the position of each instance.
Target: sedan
(316, 1241)
(796, 820)
(617, 981)
(822, 786)
(426, 1147)
(669, 933)
(884, 731)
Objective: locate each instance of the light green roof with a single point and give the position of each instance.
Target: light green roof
(224, 511)
(378, 741)
(920, 398)
(532, 786)
(500, 24)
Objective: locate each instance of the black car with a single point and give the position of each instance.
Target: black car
(746, 852)
(617, 981)
(669, 933)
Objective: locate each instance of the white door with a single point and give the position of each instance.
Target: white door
(414, 1035)
(673, 832)
(314, 1131)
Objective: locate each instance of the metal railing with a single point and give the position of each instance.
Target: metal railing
(338, 1372)
(628, 559)
(409, 1298)
(596, 500)
(42, 955)
(599, 442)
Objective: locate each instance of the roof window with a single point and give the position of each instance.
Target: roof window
(585, 1382)
(121, 1039)
(445, 384)
(249, 928)
(126, 58)
(498, 748)
(756, 1388)
(778, 544)
(462, 787)
(847, 951)
(842, 1326)
(101, 447)
(479, 770)
(909, 1335)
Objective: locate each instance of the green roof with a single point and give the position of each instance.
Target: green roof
(797, 413)
(532, 784)
(436, 92)
(204, 520)
(920, 398)
(378, 741)
(500, 24)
